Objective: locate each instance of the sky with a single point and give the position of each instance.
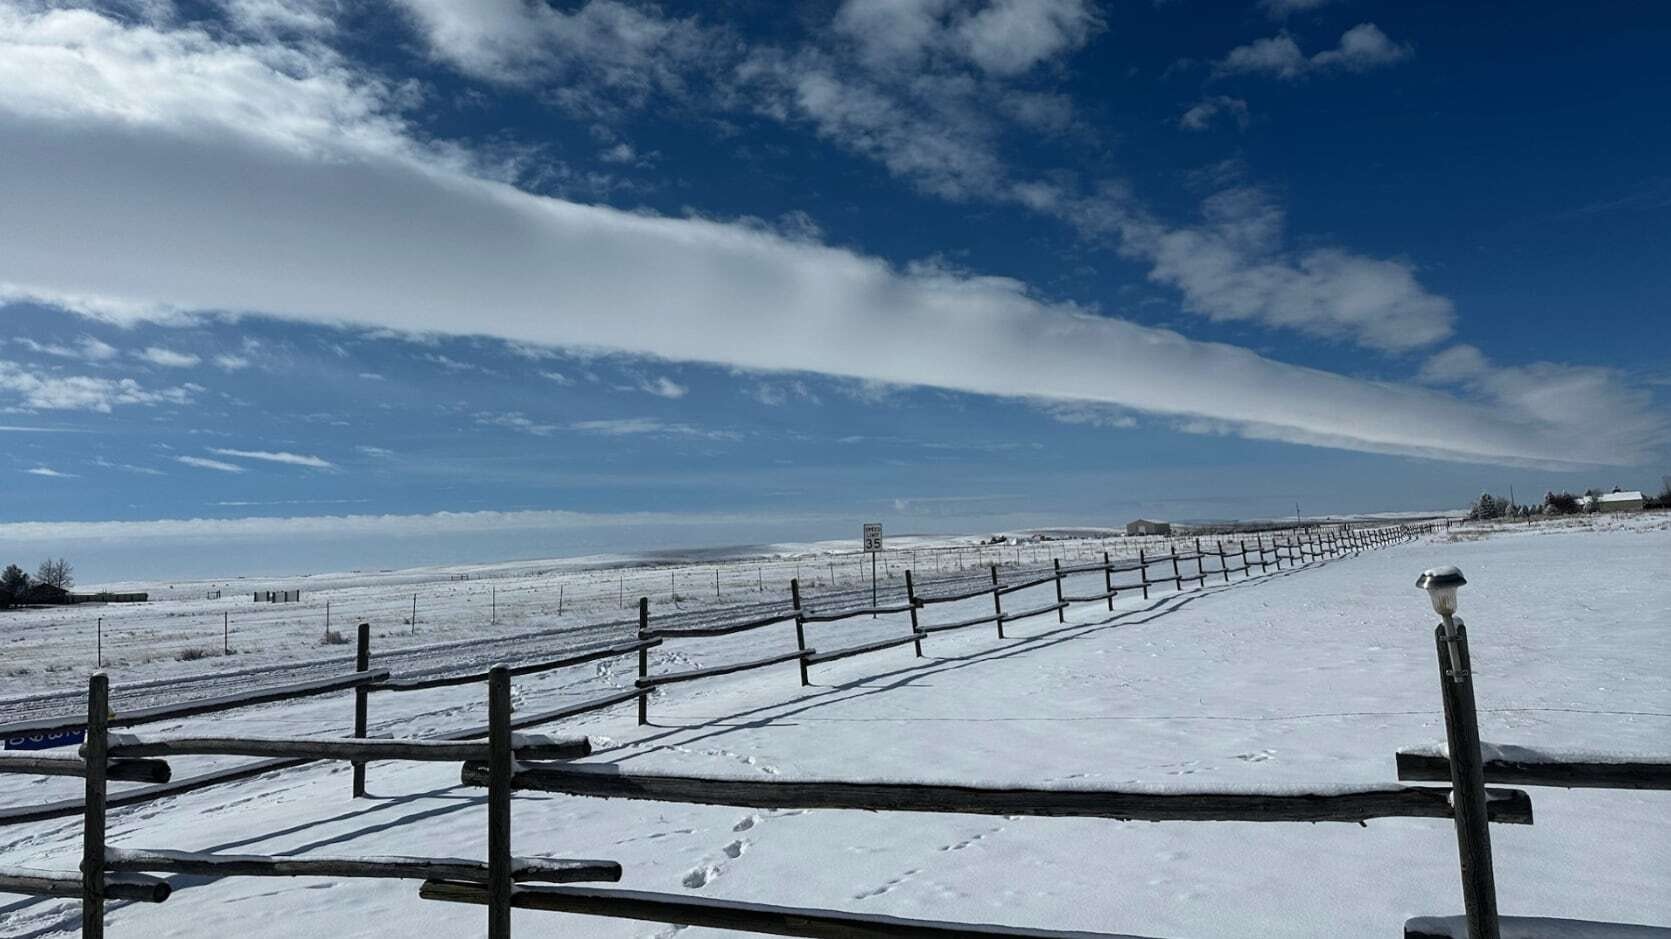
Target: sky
(417, 280)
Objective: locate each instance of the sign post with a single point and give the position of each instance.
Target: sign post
(873, 545)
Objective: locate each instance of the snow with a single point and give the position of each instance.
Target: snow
(1304, 679)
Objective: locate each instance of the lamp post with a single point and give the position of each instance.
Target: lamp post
(1462, 735)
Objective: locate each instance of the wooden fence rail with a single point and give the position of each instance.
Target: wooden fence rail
(537, 869)
(31, 764)
(1524, 767)
(67, 885)
(1338, 804)
(349, 749)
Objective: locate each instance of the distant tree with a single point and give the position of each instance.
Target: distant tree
(1488, 506)
(13, 581)
(1560, 503)
(56, 574)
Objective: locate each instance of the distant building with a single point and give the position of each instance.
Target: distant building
(1632, 501)
(1144, 526)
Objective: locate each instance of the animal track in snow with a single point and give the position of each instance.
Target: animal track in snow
(887, 887)
(1259, 757)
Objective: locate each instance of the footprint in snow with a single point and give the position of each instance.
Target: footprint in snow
(699, 877)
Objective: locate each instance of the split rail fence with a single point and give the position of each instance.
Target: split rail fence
(494, 756)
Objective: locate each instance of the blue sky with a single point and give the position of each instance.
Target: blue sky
(632, 273)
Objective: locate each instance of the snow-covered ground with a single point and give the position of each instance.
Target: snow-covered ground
(1311, 677)
(184, 630)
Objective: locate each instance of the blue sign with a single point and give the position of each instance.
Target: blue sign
(67, 738)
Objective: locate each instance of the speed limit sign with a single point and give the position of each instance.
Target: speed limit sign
(873, 536)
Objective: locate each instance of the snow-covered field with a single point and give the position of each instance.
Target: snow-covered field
(1311, 677)
(511, 609)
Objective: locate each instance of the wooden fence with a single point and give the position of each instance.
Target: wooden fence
(505, 762)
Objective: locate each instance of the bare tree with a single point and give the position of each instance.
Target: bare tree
(56, 574)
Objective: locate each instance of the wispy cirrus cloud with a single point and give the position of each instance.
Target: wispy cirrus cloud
(86, 348)
(279, 456)
(208, 464)
(167, 358)
(49, 473)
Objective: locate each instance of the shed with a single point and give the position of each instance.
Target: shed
(1632, 501)
(1145, 526)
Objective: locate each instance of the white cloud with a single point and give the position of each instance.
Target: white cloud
(1201, 114)
(594, 56)
(1455, 365)
(283, 16)
(1277, 9)
(622, 427)
(168, 358)
(1091, 415)
(663, 387)
(86, 348)
(50, 391)
(557, 377)
(49, 472)
(1232, 266)
(143, 200)
(1001, 37)
(1361, 48)
(231, 363)
(516, 420)
(206, 463)
(126, 467)
(1009, 37)
(281, 456)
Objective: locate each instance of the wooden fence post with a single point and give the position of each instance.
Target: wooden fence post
(1061, 612)
(800, 626)
(1108, 580)
(997, 602)
(1223, 565)
(95, 754)
(911, 598)
(499, 803)
(362, 662)
(1177, 577)
(1143, 572)
(644, 660)
(1473, 834)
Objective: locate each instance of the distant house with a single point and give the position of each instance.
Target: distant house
(1144, 526)
(1632, 501)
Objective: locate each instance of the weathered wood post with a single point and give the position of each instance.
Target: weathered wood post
(643, 660)
(1223, 564)
(95, 753)
(499, 803)
(362, 662)
(800, 626)
(911, 598)
(997, 602)
(1061, 611)
(1177, 577)
(1108, 580)
(1143, 572)
(1462, 734)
